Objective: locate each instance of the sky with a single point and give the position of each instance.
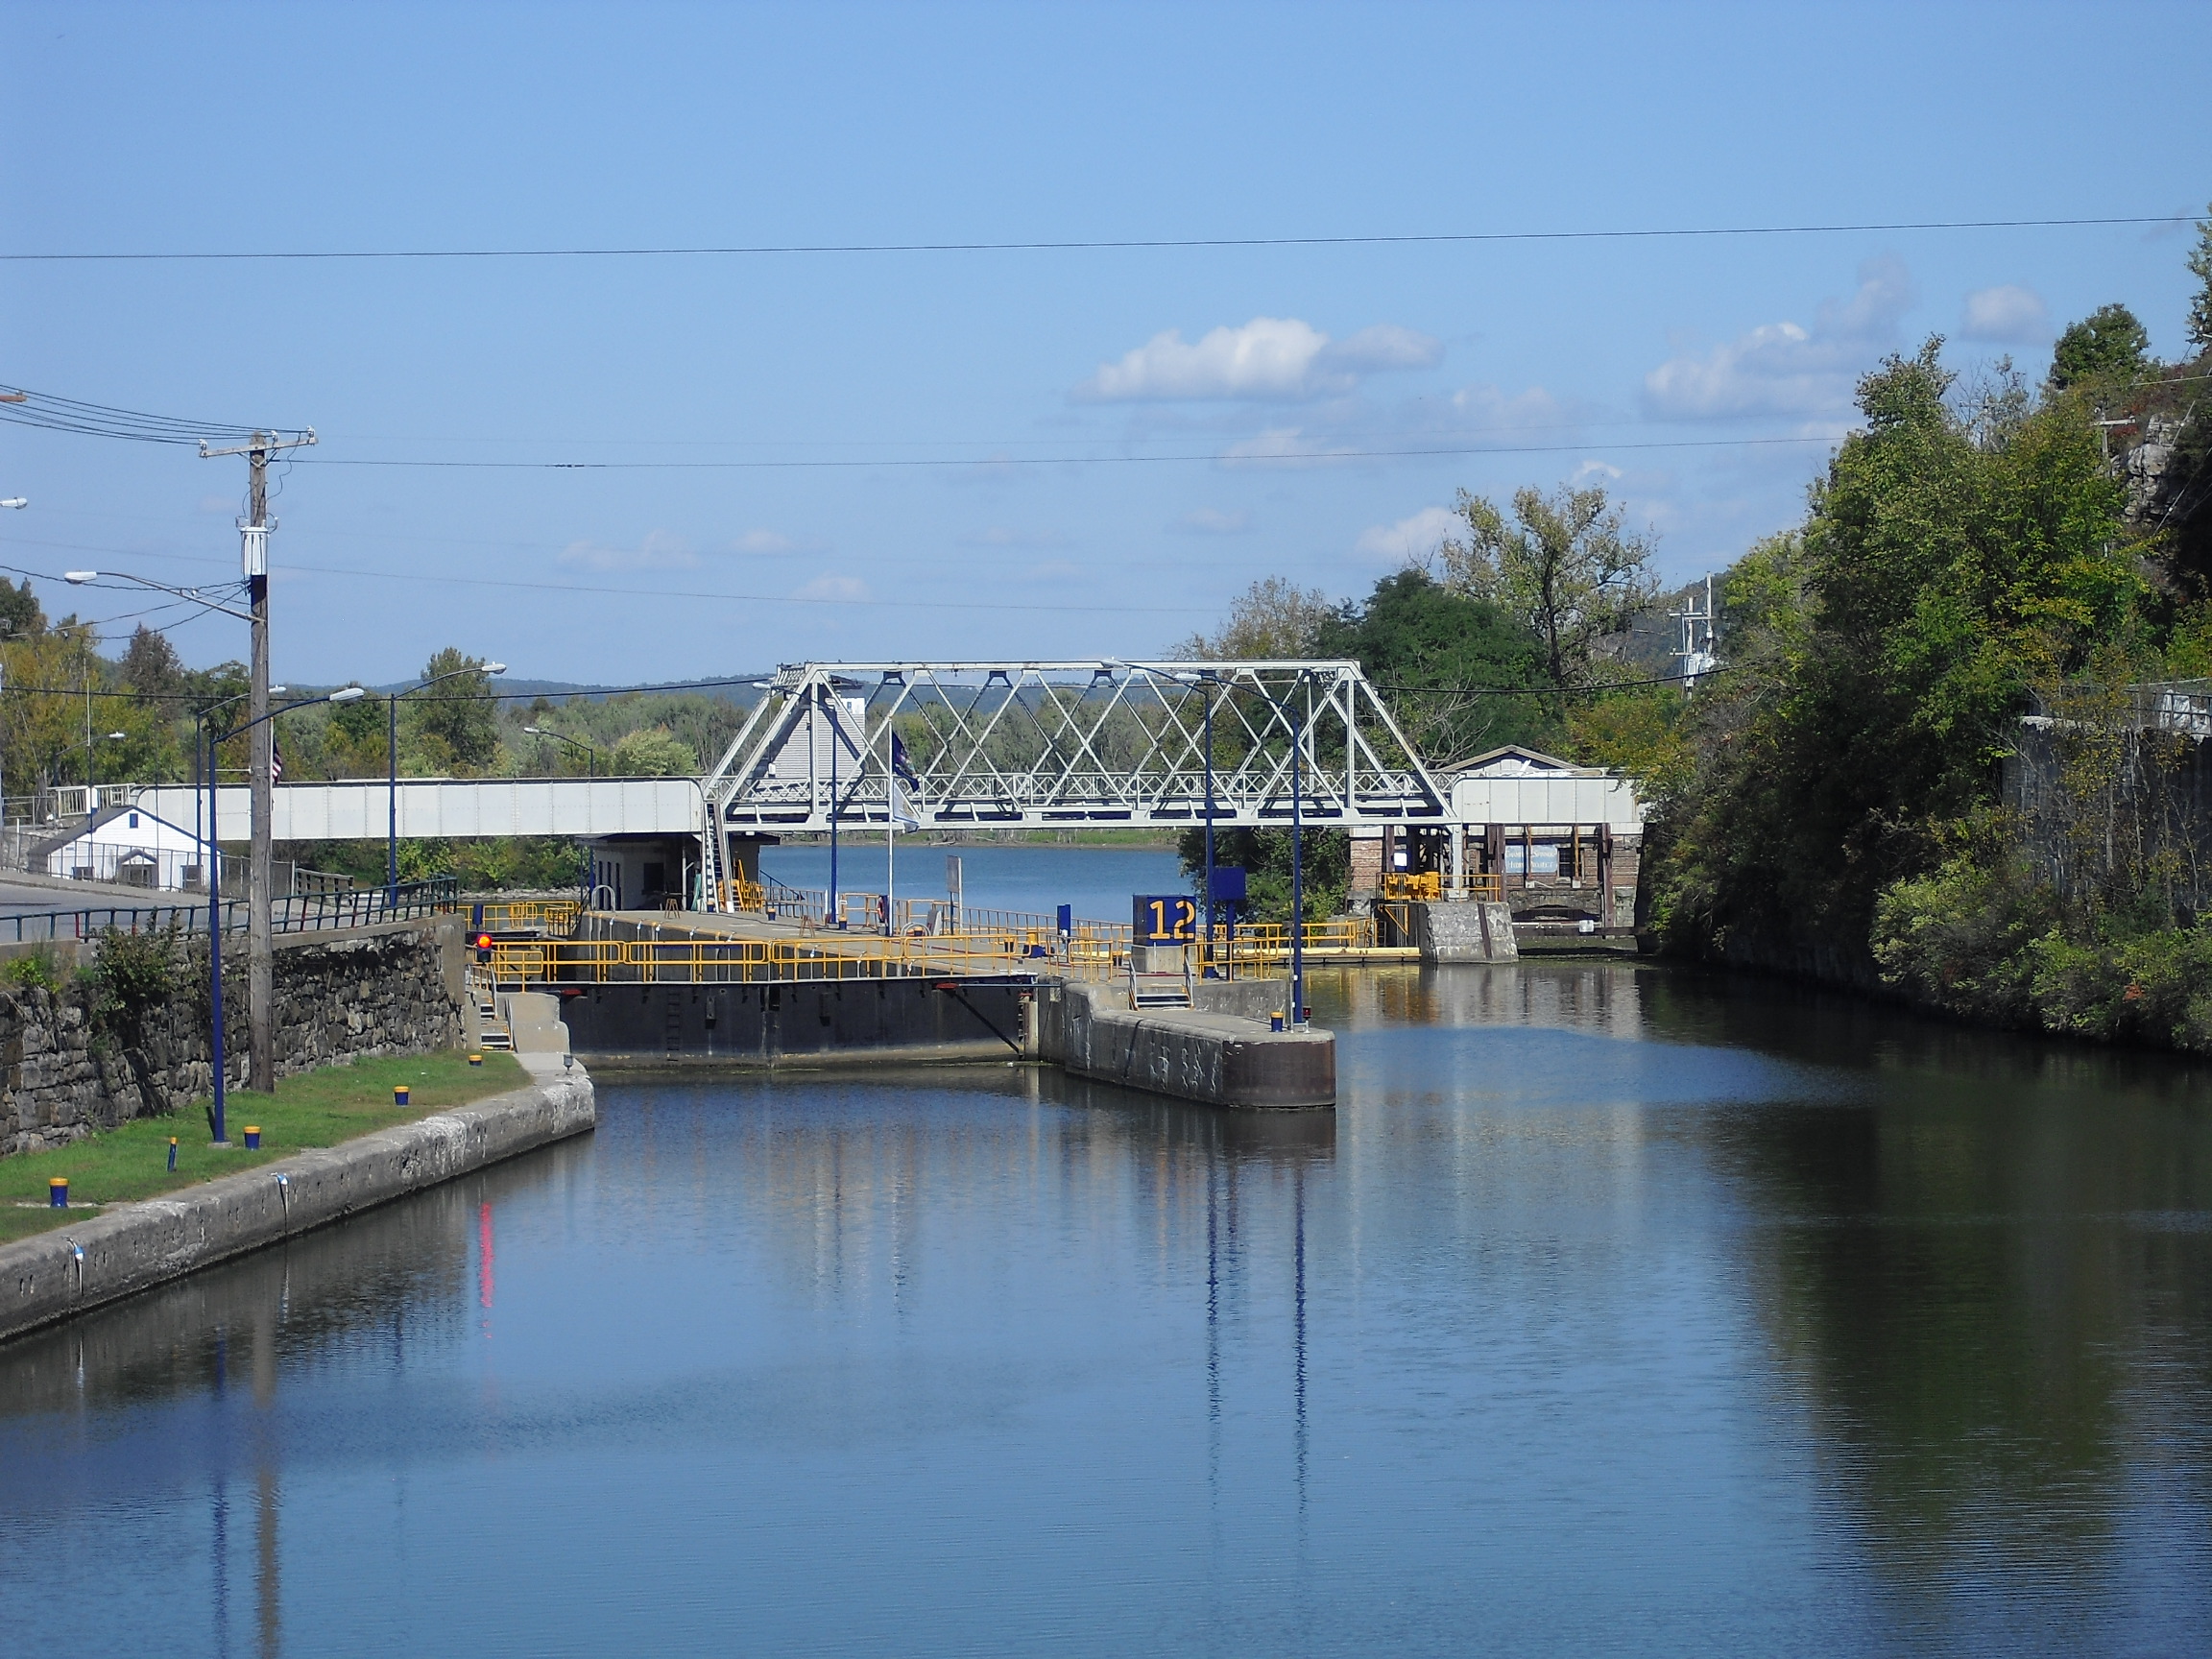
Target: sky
(1020, 454)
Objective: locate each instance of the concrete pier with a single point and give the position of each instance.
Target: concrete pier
(1466, 931)
(1217, 1054)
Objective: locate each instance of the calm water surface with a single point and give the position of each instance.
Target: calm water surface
(1616, 1311)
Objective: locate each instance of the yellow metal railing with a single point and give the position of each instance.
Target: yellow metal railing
(552, 914)
(699, 960)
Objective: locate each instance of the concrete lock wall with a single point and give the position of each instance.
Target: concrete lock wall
(1464, 933)
(808, 1023)
(1219, 1059)
(395, 989)
(135, 1246)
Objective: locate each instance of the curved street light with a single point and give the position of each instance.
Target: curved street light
(590, 752)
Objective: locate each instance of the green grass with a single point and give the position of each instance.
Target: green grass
(314, 1109)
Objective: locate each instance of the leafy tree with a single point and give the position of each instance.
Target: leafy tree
(458, 718)
(1428, 647)
(1562, 569)
(1882, 656)
(151, 666)
(20, 612)
(2108, 346)
(654, 751)
(2200, 324)
(1264, 855)
(1272, 618)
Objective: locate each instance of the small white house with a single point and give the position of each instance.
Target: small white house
(128, 845)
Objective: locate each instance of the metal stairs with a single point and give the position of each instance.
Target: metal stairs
(1160, 990)
(491, 1031)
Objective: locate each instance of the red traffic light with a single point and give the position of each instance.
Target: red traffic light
(483, 941)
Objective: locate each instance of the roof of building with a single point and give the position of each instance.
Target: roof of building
(1517, 760)
(100, 820)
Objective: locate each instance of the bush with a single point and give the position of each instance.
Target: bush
(38, 969)
(132, 974)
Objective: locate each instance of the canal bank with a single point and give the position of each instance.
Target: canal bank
(133, 1248)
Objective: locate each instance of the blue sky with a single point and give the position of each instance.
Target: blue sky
(953, 389)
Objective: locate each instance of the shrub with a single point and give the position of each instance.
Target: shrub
(36, 970)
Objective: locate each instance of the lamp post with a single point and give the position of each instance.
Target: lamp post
(215, 895)
(1295, 716)
(201, 754)
(392, 770)
(1210, 680)
(591, 753)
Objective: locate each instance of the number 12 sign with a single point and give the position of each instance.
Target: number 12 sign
(1164, 917)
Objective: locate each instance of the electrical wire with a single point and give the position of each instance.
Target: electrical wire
(1097, 245)
(1226, 458)
(54, 413)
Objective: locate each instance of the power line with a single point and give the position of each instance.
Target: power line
(1095, 245)
(23, 407)
(1222, 457)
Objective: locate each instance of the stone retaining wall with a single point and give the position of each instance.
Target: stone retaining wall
(394, 989)
(1218, 1059)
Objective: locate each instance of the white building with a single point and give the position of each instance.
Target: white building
(128, 845)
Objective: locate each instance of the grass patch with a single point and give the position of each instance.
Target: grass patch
(314, 1109)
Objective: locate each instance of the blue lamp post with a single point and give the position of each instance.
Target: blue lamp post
(215, 893)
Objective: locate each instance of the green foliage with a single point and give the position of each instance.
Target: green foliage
(21, 613)
(38, 968)
(1562, 569)
(1271, 619)
(653, 752)
(1264, 855)
(132, 974)
(2199, 323)
(457, 721)
(1413, 633)
(365, 721)
(1878, 660)
(1982, 938)
(2107, 347)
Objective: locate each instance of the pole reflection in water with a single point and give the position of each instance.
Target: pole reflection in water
(1614, 1310)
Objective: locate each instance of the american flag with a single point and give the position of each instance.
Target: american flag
(276, 763)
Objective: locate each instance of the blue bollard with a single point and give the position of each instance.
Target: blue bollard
(172, 1154)
(58, 1192)
(1275, 1020)
(253, 1136)
(398, 1094)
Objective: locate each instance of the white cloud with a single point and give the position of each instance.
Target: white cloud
(850, 588)
(1787, 368)
(772, 543)
(1267, 358)
(2008, 314)
(1410, 539)
(1590, 469)
(660, 550)
(1213, 521)
(1487, 405)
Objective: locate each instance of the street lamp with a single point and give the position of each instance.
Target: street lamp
(1210, 680)
(215, 892)
(1294, 717)
(392, 764)
(591, 753)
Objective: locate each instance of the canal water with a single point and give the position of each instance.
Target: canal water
(1618, 1310)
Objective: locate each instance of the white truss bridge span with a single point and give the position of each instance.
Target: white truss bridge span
(1051, 745)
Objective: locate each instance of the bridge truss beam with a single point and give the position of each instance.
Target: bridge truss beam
(1058, 745)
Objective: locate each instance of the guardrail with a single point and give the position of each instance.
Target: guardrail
(547, 915)
(519, 964)
(361, 908)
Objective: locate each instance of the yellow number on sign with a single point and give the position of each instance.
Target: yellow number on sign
(1159, 919)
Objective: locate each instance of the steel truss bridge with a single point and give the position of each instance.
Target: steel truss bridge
(1057, 745)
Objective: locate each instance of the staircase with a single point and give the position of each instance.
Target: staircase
(1168, 988)
(491, 1031)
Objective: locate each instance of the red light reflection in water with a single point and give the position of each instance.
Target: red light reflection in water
(484, 1256)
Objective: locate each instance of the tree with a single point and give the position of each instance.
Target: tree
(152, 667)
(2108, 346)
(1427, 647)
(1562, 569)
(654, 751)
(2199, 323)
(457, 719)
(20, 612)
(1272, 618)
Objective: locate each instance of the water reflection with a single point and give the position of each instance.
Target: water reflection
(1609, 1298)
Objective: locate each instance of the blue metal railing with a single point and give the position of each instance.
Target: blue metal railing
(361, 907)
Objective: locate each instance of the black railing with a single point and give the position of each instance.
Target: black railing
(362, 907)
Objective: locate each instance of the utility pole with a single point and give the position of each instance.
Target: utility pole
(260, 945)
